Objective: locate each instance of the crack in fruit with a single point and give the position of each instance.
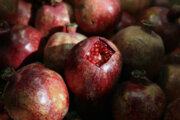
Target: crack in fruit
(100, 53)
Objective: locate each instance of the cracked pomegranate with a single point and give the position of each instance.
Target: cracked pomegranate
(95, 64)
(36, 93)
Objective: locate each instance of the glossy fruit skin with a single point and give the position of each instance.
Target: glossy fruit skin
(49, 18)
(138, 99)
(93, 82)
(170, 81)
(18, 44)
(141, 50)
(36, 93)
(172, 112)
(22, 14)
(58, 47)
(95, 16)
(134, 6)
(167, 29)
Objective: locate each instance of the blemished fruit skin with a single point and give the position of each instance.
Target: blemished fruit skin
(36, 93)
(172, 112)
(138, 99)
(141, 49)
(50, 17)
(96, 16)
(170, 81)
(21, 15)
(95, 75)
(163, 26)
(18, 44)
(134, 6)
(58, 47)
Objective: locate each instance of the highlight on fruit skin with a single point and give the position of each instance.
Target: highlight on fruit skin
(95, 64)
(97, 16)
(36, 93)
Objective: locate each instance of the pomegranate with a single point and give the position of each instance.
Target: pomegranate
(51, 17)
(141, 49)
(95, 64)
(166, 27)
(134, 6)
(172, 112)
(96, 16)
(125, 21)
(58, 46)
(36, 93)
(18, 44)
(22, 14)
(138, 99)
(170, 81)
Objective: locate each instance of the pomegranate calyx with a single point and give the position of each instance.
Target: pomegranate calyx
(7, 73)
(71, 27)
(138, 73)
(147, 25)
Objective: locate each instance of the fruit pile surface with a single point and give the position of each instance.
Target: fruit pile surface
(89, 60)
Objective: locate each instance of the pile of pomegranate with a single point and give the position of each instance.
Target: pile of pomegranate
(89, 60)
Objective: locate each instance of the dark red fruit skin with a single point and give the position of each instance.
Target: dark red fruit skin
(4, 116)
(93, 82)
(141, 50)
(22, 14)
(134, 6)
(138, 99)
(36, 93)
(18, 44)
(50, 17)
(126, 20)
(172, 112)
(170, 81)
(167, 29)
(58, 47)
(95, 17)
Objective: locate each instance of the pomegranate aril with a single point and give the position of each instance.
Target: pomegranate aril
(100, 53)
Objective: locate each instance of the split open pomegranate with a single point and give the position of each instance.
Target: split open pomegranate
(94, 64)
